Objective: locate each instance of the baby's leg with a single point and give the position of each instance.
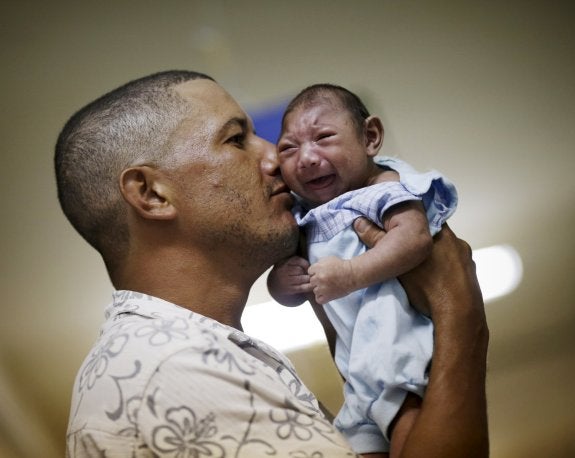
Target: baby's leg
(402, 425)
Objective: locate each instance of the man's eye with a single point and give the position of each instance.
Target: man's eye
(237, 140)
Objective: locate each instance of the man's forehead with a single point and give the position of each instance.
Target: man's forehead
(212, 111)
(202, 90)
(209, 102)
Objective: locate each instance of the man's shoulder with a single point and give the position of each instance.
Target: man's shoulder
(145, 341)
(117, 370)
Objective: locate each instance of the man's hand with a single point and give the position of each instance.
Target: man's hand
(446, 279)
(289, 282)
(331, 278)
(447, 276)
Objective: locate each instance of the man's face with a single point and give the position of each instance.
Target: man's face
(229, 192)
(320, 153)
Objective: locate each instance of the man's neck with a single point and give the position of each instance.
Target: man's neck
(202, 286)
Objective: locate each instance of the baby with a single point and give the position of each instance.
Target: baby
(327, 153)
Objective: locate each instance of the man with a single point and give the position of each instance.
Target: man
(166, 178)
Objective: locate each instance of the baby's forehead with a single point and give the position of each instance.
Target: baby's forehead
(315, 115)
(318, 108)
(326, 98)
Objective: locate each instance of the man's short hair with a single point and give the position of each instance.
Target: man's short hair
(328, 93)
(129, 124)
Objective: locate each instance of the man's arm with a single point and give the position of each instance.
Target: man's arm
(452, 421)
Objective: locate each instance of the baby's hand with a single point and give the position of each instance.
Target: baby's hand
(288, 281)
(331, 278)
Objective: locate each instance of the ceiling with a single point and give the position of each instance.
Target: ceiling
(483, 91)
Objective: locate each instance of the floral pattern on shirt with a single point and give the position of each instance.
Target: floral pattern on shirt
(164, 381)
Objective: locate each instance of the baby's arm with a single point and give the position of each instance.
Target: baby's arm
(288, 281)
(406, 244)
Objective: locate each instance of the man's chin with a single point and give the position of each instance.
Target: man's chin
(288, 242)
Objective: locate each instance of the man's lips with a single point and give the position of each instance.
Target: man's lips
(279, 189)
(282, 192)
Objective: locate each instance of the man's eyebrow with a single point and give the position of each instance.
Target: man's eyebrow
(233, 122)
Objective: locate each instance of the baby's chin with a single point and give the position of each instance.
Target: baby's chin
(315, 200)
(320, 191)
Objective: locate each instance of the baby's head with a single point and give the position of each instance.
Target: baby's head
(330, 94)
(327, 143)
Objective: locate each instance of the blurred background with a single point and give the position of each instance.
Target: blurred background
(483, 91)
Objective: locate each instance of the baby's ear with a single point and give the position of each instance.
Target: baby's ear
(373, 135)
(145, 189)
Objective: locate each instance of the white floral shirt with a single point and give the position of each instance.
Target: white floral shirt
(164, 381)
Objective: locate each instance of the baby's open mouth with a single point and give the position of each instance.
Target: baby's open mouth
(321, 181)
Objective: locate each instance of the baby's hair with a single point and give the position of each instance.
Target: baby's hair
(328, 93)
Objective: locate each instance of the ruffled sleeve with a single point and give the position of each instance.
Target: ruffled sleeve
(437, 192)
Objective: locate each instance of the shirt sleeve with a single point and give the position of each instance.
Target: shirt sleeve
(437, 192)
(216, 400)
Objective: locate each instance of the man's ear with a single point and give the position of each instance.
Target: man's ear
(143, 187)
(373, 135)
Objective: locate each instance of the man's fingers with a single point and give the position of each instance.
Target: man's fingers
(297, 261)
(303, 288)
(368, 232)
(449, 270)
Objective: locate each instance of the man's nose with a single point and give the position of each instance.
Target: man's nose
(270, 163)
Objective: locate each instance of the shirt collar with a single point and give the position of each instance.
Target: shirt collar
(135, 303)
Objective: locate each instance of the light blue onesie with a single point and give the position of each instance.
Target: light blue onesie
(383, 345)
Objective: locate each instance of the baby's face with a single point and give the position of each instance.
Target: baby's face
(320, 154)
